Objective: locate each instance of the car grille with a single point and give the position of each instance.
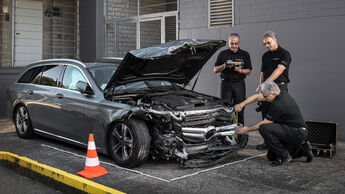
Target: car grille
(220, 117)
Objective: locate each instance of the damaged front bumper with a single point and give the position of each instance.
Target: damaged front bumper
(217, 140)
(209, 132)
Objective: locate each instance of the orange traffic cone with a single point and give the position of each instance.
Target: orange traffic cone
(92, 167)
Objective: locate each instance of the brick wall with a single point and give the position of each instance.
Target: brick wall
(60, 31)
(194, 13)
(126, 30)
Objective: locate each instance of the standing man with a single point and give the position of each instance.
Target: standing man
(234, 65)
(275, 62)
(275, 67)
(283, 127)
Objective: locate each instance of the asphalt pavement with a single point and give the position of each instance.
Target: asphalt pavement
(247, 172)
(16, 183)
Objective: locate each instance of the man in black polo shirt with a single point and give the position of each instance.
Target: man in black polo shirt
(233, 88)
(283, 128)
(275, 62)
(275, 67)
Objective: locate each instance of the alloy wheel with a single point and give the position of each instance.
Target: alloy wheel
(22, 120)
(122, 142)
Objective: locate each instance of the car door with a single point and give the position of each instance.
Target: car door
(28, 92)
(45, 105)
(77, 111)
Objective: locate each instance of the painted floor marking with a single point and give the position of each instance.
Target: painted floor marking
(158, 178)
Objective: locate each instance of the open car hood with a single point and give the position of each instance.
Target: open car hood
(177, 61)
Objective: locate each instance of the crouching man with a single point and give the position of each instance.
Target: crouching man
(283, 127)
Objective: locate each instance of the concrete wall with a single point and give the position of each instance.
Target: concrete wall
(7, 77)
(6, 34)
(312, 30)
(91, 29)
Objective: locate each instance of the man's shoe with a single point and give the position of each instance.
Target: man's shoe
(308, 151)
(281, 160)
(262, 146)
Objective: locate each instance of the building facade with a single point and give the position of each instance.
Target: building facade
(312, 30)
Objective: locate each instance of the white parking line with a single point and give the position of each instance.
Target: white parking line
(110, 164)
(154, 177)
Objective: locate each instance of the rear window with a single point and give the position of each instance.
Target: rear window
(32, 75)
(51, 75)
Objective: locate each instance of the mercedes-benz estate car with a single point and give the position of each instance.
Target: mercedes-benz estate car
(136, 107)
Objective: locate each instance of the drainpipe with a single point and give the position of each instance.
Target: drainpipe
(14, 5)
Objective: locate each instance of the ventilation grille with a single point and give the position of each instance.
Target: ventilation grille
(220, 13)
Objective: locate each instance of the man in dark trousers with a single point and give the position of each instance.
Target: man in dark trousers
(275, 67)
(283, 128)
(234, 65)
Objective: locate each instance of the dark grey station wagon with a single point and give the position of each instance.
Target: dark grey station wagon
(136, 107)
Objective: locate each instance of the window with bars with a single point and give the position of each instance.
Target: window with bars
(220, 13)
(32, 30)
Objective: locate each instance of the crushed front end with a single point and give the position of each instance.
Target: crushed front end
(195, 129)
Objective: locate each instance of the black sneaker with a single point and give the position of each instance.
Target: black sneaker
(262, 146)
(308, 151)
(280, 160)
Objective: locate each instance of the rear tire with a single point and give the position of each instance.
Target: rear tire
(129, 143)
(22, 123)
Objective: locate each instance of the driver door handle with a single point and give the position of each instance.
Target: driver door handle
(59, 95)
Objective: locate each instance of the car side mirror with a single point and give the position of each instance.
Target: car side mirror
(84, 88)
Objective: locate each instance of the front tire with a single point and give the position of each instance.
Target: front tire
(22, 123)
(129, 143)
(242, 140)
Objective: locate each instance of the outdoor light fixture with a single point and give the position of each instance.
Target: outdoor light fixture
(5, 11)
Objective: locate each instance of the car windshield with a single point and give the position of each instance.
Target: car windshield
(102, 72)
(153, 85)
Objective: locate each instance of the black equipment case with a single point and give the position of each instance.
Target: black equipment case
(322, 137)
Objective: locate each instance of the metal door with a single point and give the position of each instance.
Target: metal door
(28, 31)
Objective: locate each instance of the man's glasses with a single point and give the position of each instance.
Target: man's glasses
(269, 43)
(266, 96)
(234, 43)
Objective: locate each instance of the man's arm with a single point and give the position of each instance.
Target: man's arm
(246, 69)
(246, 129)
(276, 73)
(261, 81)
(218, 69)
(249, 100)
(243, 71)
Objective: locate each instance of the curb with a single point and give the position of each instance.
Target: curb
(66, 178)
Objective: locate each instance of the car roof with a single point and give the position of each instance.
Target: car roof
(48, 61)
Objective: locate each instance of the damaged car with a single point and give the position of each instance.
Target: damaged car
(136, 107)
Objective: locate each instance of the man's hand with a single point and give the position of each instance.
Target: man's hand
(238, 69)
(242, 130)
(239, 107)
(259, 87)
(220, 68)
(229, 65)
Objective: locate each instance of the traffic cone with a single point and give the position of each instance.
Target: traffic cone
(92, 167)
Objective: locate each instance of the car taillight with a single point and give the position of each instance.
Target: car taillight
(7, 91)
